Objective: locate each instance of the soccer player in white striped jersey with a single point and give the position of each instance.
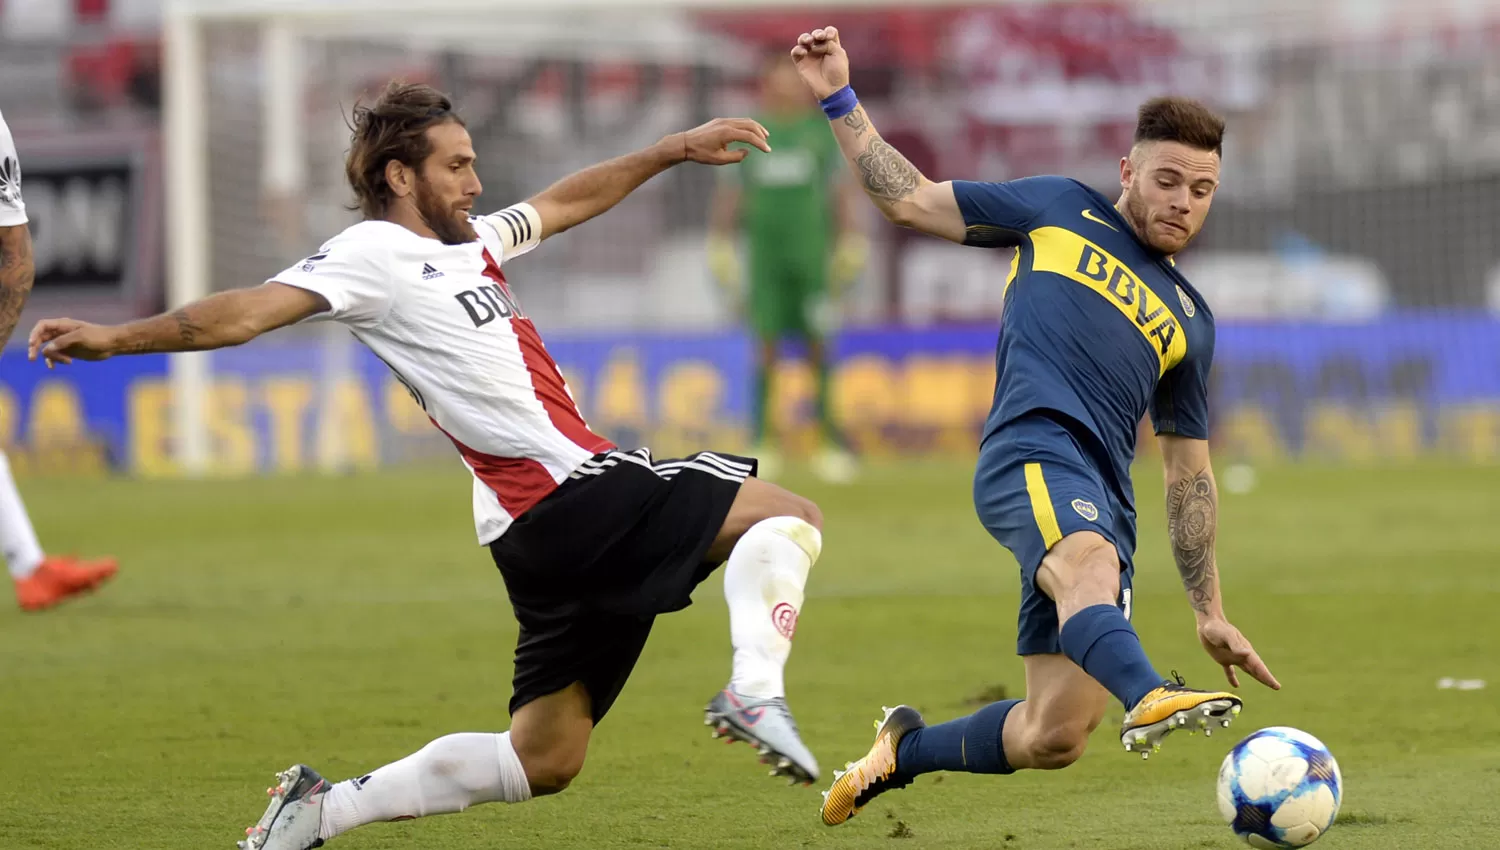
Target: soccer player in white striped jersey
(592, 541)
(41, 581)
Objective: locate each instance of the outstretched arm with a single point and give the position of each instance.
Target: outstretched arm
(1192, 526)
(898, 189)
(584, 194)
(218, 321)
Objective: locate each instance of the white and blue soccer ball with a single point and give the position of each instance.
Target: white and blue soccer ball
(1279, 788)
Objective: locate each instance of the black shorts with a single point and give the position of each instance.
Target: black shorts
(589, 567)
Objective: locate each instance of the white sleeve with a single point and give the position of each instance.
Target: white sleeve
(519, 227)
(351, 275)
(12, 209)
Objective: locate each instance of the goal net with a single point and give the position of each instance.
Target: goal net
(1350, 259)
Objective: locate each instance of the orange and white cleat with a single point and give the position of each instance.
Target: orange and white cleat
(57, 579)
(1175, 706)
(862, 781)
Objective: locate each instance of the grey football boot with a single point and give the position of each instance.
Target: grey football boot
(292, 820)
(767, 725)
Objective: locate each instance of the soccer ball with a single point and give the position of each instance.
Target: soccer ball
(1280, 787)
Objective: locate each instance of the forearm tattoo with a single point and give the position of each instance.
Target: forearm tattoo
(857, 121)
(1192, 523)
(187, 329)
(885, 172)
(16, 275)
(155, 334)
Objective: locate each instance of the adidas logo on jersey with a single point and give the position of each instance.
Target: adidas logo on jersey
(428, 272)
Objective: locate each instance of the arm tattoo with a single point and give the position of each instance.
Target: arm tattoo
(857, 121)
(156, 334)
(140, 346)
(885, 172)
(187, 329)
(1192, 522)
(16, 275)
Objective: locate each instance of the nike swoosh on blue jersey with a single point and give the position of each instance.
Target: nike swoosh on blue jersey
(1089, 214)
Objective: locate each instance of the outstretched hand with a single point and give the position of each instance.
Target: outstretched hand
(64, 340)
(1224, 644)
(821, 61)
(709, 143)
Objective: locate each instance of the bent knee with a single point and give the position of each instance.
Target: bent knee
(1078, 560)
(1085, 551)
(806, 510)
(551, 771)
(803, 530)
(1058, 747)
(786, 504)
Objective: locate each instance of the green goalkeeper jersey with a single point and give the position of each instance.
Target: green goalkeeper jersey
(788, 198)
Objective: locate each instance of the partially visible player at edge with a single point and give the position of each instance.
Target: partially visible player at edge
(1098, 329)
(41, 581)
(593, 542)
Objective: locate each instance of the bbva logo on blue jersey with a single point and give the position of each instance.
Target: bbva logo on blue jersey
(1127, 291)
(1059, 251)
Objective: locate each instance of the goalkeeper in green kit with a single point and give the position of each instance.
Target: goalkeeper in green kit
(798, 214)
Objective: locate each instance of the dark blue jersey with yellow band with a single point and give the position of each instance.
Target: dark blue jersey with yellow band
(1097, 326)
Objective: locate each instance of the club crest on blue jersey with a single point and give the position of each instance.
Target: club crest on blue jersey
(1187, 303)
(1087, 510)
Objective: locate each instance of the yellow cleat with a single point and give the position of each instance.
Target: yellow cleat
(861, 781)
(1175, 706)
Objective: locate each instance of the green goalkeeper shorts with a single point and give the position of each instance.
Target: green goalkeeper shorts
(788, 296)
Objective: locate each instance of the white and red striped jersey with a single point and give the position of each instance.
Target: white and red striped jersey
(443, 319)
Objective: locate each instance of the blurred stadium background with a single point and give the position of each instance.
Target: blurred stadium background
(1352, 255)
(261, 615)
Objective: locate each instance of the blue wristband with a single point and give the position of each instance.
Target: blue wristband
(839, 104)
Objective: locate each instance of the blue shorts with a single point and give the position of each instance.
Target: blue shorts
(1033, 486)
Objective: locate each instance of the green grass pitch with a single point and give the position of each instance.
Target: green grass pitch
(346, 622)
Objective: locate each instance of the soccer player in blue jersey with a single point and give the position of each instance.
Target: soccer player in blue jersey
(1098, 329)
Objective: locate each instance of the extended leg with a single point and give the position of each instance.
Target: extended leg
(1046, 731)
(771, 538)
(1081, 574)
(541, 754)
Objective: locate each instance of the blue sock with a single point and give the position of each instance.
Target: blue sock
(1101, 641)
(972, 744)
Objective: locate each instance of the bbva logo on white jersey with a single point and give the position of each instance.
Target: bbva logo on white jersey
(485, 304)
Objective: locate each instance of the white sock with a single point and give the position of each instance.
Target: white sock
(763, 584)
(23, 554)
(448, 775)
